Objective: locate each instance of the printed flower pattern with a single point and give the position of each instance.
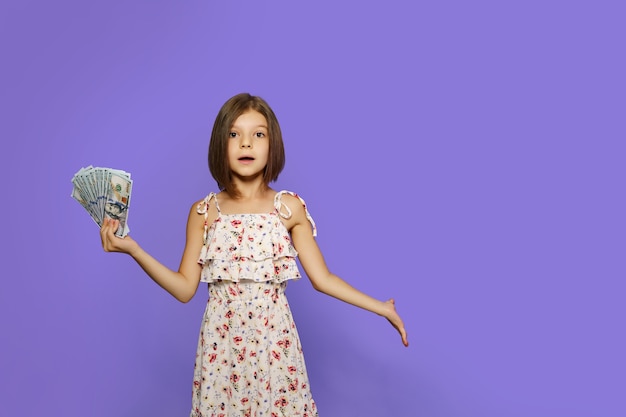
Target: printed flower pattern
(250, 247)
(249, 360)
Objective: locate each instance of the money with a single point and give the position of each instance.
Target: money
(105, 194)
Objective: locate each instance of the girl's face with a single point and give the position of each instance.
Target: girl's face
(248, 145)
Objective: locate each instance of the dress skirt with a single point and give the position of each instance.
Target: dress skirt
(249, 360)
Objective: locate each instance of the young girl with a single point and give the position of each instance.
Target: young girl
(243, 242)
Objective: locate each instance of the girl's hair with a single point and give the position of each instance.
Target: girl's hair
(218, 146)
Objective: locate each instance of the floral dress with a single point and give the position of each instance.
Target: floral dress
(249, 360)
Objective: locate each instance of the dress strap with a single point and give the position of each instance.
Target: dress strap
(203, 208)
(280, 206)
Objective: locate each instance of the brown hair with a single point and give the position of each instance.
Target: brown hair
(218, 146)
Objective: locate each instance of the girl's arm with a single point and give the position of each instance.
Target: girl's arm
(182, 284)
(323, 280)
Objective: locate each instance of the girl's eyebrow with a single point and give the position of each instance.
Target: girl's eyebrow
(254, 127)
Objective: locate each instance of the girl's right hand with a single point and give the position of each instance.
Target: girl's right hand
(112, 243)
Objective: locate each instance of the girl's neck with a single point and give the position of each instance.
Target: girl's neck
(249, 200)
(250, 191)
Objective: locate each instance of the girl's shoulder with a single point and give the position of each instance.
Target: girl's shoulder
(207, 206)
(291, 206)
(290, 196)
(290, 199)
(206, 201)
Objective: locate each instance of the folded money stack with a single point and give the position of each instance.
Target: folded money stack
(105, 193)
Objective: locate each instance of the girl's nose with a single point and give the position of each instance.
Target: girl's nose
(245, 143)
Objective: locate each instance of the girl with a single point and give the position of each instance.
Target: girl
(243, 242)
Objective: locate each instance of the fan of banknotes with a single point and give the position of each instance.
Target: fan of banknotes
(104, 193)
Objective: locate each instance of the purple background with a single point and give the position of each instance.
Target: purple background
(466, 158)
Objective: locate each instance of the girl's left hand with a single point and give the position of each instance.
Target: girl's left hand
(394, 318)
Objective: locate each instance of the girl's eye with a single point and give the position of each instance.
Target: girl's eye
(232, 134)
(260, 134)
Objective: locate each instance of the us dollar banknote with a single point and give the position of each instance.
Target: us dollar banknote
(104, 193)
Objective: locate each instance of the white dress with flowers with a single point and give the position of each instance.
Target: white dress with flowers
(249, 360)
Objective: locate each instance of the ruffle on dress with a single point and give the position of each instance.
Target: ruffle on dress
(251, 246)
(244, 251)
